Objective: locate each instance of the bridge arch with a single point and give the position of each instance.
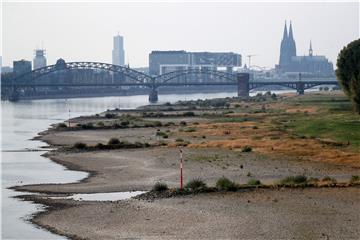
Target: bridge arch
(164, 79)
(311, 85)
(254, 85)
(61, 65)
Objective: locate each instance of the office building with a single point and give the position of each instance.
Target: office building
(164, 61)
(20, 67)
(118, 52)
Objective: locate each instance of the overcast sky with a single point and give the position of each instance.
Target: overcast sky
(84, 31)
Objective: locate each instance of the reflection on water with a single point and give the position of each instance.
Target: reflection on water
(21, 121)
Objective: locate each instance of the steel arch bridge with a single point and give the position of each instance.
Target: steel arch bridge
(138, 77)
(61, 65)
(135, 78)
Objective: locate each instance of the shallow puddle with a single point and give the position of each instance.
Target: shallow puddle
(112, 196)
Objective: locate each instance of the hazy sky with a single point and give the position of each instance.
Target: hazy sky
(84, 31)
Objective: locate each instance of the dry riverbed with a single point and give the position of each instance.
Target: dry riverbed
(213, 138)
(326, 213)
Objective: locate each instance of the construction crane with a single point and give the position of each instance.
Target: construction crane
(249, 57)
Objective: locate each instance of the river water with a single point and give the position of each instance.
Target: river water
(21, 121)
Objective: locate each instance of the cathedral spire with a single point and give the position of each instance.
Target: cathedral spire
(291, 32)
(285, 35)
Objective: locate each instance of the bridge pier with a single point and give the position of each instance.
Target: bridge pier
(243, 85)
(153, 95)
(300, 88)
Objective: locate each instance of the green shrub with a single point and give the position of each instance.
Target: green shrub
(124, 123)
(294, 180)
(246, 149)
(188, 114)
(61, 125)
(190, 130)
(183, 123)
(225, 184)
(149, 124)
(100, 124)
(254, 182)
(162, 134)
(157, 124)
(179, 140)
(80, 145)
(110, 115)
(169, 124)
(328, 179)
(355, 179)
(100, 146)
(86, 126)
(196, 184)
(113, 141)
(160, 186)
(313, 180)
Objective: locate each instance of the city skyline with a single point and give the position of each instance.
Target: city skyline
(146, 31)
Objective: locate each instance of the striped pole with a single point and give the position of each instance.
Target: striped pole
(181, 169)
(69, 116)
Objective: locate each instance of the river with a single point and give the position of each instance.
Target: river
(21, 121)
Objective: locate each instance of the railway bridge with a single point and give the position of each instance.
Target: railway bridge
(188, 77)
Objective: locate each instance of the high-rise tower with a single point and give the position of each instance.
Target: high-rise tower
(118, 53)
(39, 59)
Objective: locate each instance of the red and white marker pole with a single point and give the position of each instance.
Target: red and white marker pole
(181, 169)
(69, 117)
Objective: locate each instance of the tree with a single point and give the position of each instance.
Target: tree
(348, 72)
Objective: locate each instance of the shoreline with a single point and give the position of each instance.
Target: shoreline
(62, 205)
